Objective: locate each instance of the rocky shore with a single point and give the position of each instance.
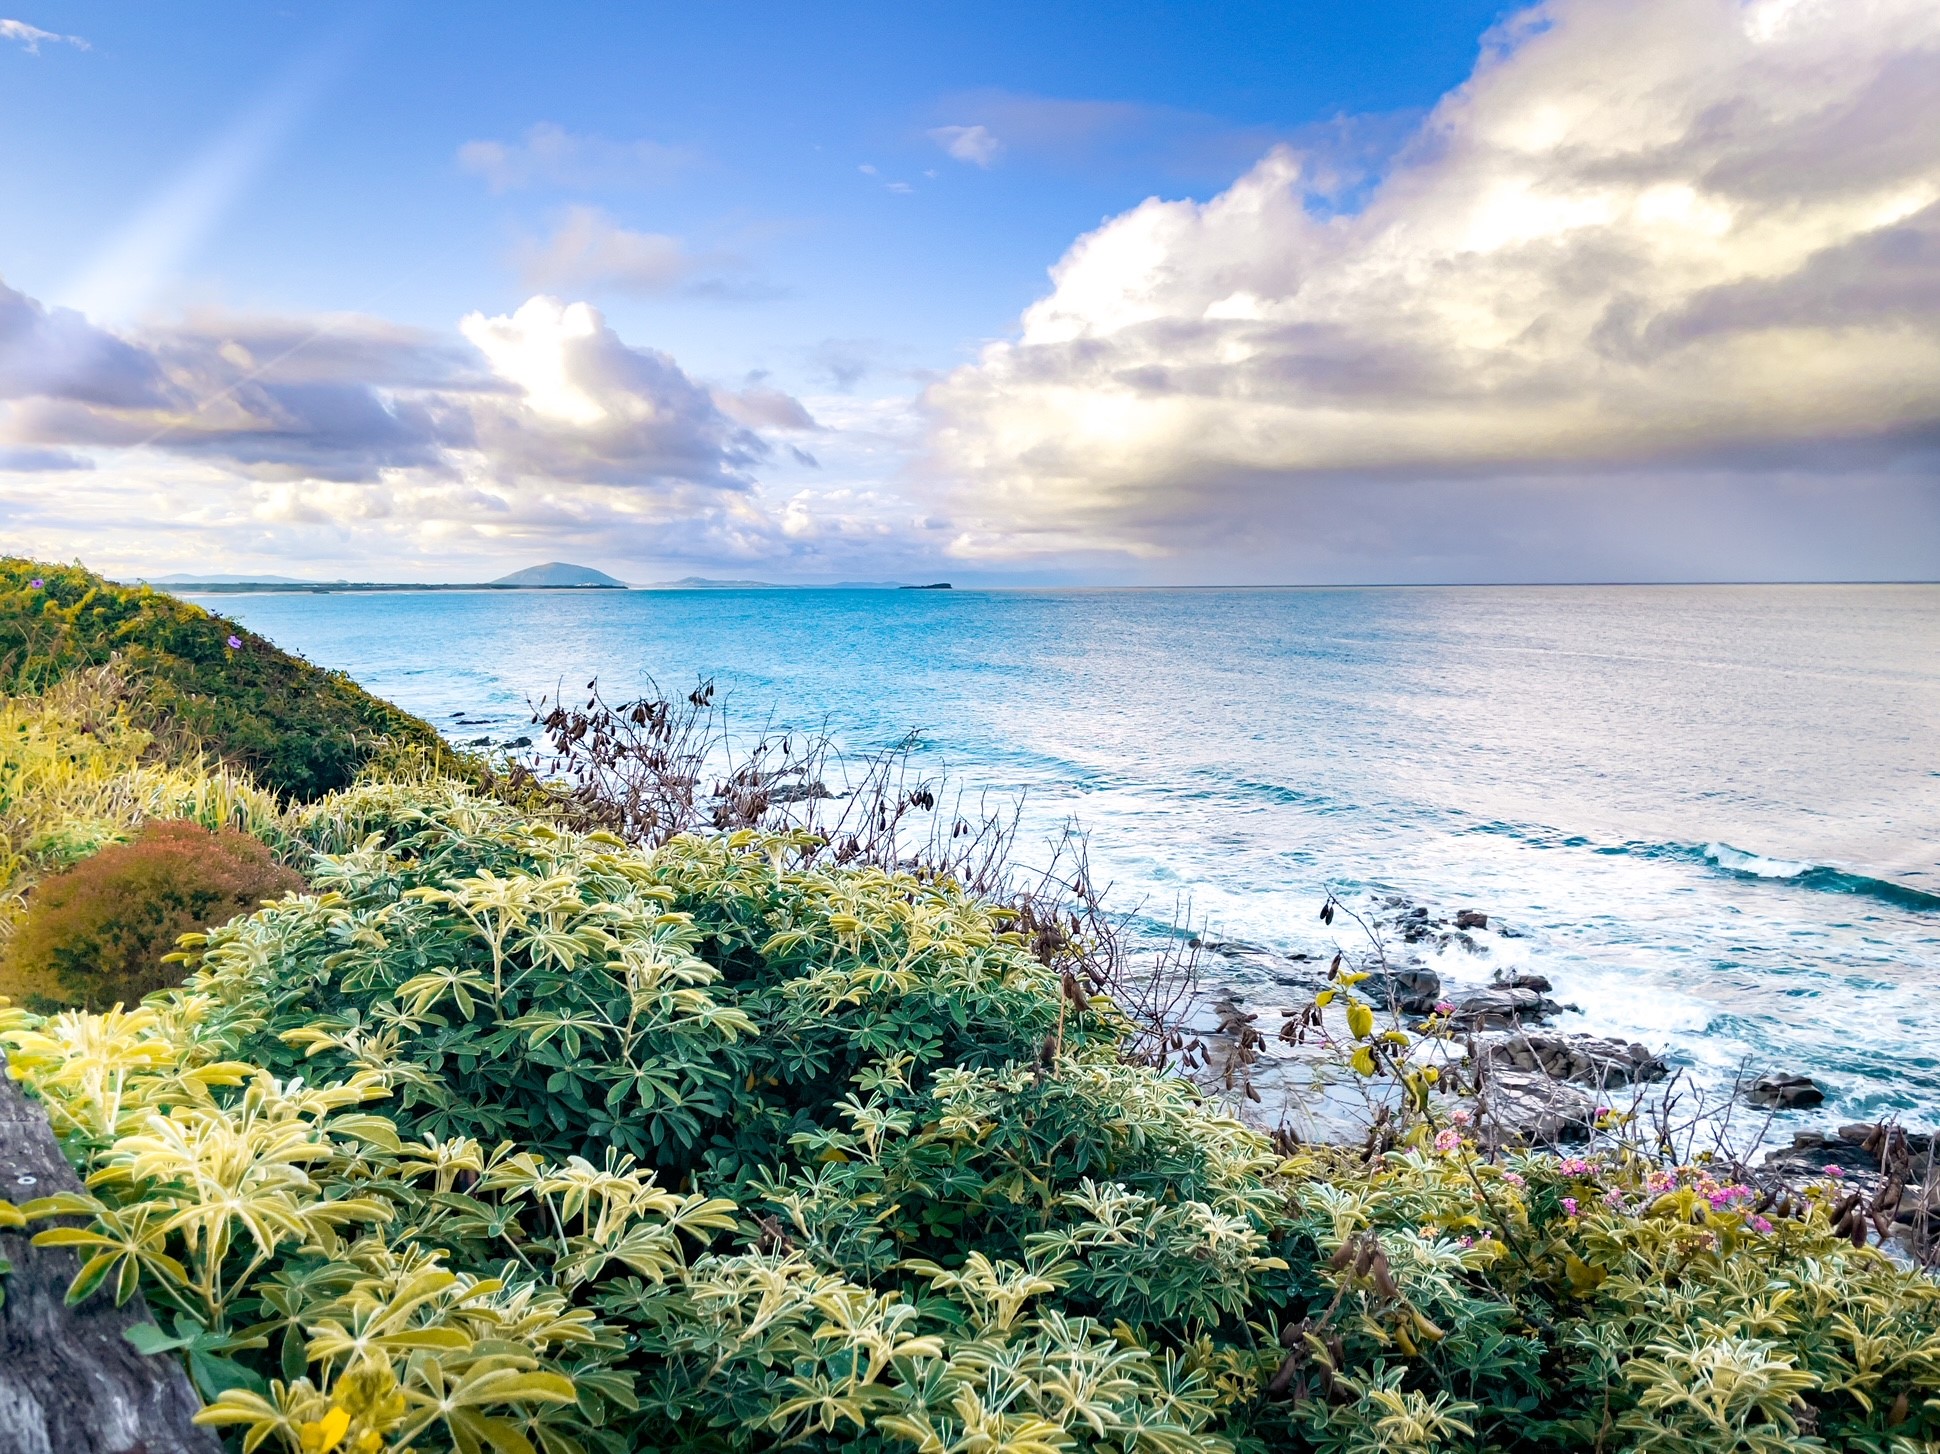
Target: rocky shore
(1244, 1038)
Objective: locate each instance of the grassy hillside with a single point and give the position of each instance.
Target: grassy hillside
(295, 728)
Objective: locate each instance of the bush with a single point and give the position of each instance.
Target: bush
(96, 933)
(299, 730)
(717, 1148)
(77, 773)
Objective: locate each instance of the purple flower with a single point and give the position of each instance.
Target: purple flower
(36, 584)
(235, 643)
(1569, 1206)
(1761, 1225)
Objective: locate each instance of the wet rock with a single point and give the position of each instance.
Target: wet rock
(1501, 1008)
(1412, 990)
(1890, 1168)
(1530, 1108)
(1537, 982)
(1586, 1060)
(1785, 1092)
(1305, 971)
(1471, 919)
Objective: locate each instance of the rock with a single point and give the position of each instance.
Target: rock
(1529, 1108)
(70, 1382)
(1537, 982)
(1412, 990)
(1785, 1093)
(1496, 1009)
(1580, 1059)
(1470, 919)
(1887, 1165)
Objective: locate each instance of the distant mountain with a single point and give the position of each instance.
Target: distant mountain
(557, 573)
(702, 583)
(210, 578)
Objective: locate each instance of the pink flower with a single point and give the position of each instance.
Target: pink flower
(1761, 1225)
(1466, 1242)
(235, 643)
(1460, 1118)
(1569, 1206)
(1513, 1179)
(1444, 1007)
(1603, 1110)
(1574, 1166)
(1613, 1198)
(1835, 1171)
(1448, 1140)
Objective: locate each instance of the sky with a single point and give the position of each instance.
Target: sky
(1227, 293)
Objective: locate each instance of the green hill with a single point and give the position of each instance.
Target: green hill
(297, 728)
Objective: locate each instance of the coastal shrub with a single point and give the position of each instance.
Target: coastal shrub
(97, 933)
(77, 773)
(510, 1137)
(298, 730)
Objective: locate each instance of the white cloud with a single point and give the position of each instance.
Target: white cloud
(1729, 238)
(590, 252)
(549, 155)
(31, 37)
(973, 144)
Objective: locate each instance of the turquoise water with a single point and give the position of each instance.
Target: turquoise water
(1712, 812)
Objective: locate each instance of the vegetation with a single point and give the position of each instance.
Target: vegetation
(296, 729)
(511, 1135)
(98, 933)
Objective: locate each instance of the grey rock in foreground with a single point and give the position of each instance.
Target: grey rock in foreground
(69, 1382)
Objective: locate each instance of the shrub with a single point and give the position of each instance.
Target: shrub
(77, 773)
(97, 933)
(717, 1148)
(299, 730)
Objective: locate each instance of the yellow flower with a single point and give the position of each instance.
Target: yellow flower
(322, 1435)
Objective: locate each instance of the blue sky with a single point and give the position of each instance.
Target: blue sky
(795, 265)
(768, 113)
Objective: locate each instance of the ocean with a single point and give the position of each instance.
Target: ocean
(1710, 815)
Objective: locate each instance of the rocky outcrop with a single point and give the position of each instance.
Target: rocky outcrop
(70, 1382)
(1785, 1092)
(1585, 1060)
(1531, 1108)
(1501, 1007)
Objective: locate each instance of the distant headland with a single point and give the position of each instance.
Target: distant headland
(554, 575)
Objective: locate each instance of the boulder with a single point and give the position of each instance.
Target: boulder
(1586, 1060)
(1530, 1108)
(1501, 1008)
(1537, 982)
(1785, 1092)
(1471, 919)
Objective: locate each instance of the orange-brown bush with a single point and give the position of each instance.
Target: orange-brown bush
(97, 933)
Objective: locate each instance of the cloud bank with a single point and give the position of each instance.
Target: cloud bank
(1685, 233)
